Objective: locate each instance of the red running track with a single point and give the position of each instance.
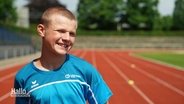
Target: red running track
(132, 80)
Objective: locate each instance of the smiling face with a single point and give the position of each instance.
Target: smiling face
(59, 35)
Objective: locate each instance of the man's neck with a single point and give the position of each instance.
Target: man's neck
(50, 62)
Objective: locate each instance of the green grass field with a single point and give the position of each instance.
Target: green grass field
(172, 58)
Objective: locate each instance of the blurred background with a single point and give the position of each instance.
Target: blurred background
(153, 26)
(123, 24)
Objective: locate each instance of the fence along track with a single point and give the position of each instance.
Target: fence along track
(129, 42)
(14, 45)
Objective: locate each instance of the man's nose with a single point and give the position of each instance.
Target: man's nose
(66, 36)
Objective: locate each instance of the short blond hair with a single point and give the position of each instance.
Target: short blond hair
(45, 19)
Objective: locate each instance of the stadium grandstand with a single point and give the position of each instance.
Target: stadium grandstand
(13, 44)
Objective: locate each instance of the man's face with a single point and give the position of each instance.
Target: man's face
(60, 34)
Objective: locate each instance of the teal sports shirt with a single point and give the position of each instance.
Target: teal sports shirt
(75, 82)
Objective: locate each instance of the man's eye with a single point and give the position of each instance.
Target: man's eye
(72, 34)
(60, 31)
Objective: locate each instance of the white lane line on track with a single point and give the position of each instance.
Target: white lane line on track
(83, 54)
(158, 69)
(127, 79)
(162, 82)
(7, 76)
(4, 96)
(2, 79)
(94, 59)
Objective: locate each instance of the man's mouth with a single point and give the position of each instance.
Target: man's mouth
(63, 45)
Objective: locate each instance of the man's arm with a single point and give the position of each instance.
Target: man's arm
(20, 99)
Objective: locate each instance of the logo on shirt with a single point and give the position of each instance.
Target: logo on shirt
(72, 76)
(34, 84)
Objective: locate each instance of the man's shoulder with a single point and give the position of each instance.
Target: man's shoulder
(81, 64)
(24, 71)
(77, 60)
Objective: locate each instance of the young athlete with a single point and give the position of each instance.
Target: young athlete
(57, 77)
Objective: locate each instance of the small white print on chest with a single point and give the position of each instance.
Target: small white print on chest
(72, 76)
(34, 84)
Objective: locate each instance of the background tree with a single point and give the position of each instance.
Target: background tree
(141, 14)
(178, 15)
(98, 14)
(163, 23)
(167, 22)
(7, 11)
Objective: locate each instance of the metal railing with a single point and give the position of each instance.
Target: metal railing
(7, 52)
(14, 44)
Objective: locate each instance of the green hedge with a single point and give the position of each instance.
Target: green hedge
(32, 31)
(131, 33)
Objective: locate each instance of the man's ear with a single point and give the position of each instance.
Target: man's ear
(41, 30)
